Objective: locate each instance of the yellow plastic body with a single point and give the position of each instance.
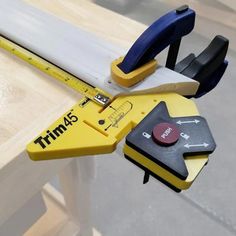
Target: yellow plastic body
(194, 166)
(96, 130)
(132, 78)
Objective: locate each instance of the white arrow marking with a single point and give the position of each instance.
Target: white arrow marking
(179, 122)
(196, 145)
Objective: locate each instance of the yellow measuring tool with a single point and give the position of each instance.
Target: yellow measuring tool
(96, 128)
(100, 97)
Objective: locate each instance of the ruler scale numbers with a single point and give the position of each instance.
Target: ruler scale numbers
(48, 68)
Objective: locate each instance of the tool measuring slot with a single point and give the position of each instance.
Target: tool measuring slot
(54, 71)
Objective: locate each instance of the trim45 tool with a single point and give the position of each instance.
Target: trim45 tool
(141, 101)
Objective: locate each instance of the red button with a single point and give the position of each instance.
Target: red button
(165, 134)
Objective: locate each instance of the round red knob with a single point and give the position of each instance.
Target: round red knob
(165, 134)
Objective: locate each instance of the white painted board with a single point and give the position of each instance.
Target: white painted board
(79, 52)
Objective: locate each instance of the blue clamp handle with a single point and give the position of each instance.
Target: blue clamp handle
(167, 30)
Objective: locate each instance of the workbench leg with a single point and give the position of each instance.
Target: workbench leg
(75, 181)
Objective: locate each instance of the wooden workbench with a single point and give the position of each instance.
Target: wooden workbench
(30, 101)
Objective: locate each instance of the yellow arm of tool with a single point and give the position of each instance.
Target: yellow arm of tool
(89, 129)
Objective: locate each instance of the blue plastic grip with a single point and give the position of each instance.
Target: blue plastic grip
(163, 32)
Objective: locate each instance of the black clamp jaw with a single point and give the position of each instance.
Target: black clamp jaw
(165, 142)
(207, 68)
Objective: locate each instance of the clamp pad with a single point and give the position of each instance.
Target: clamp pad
(135, 76)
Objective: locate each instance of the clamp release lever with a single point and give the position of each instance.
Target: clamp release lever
(167, 30)
(207, 68)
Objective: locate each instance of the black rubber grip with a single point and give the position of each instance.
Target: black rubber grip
(207, 62)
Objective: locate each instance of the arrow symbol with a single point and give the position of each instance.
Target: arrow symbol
(196, 145)
(179, 122)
